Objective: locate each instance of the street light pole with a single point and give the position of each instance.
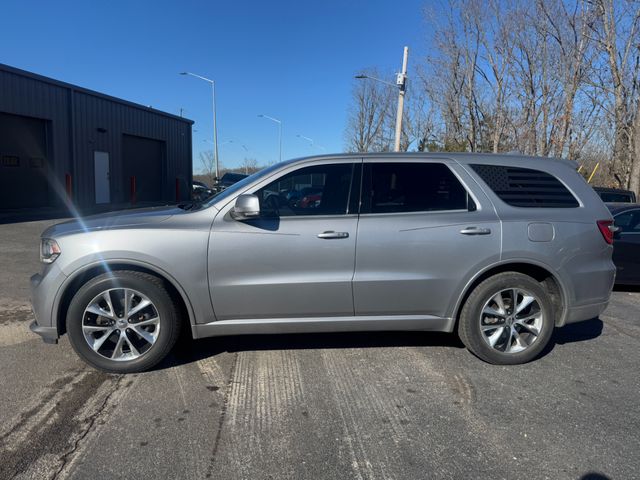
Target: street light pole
(279, 131)
(215, 129)
(401, 84)
(311, 142)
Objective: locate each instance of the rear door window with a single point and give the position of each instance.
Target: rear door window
(397, 187)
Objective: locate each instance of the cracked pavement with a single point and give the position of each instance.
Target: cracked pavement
(362, 406)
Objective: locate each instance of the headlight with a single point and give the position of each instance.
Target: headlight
(49, 250)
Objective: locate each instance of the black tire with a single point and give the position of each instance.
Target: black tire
(153, 288)
(469, 325)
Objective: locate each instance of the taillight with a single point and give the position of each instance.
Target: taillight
(607, 229)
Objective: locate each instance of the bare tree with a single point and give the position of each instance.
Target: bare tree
(208, 164)
(249, 166)
(445, 83)
(368, 116)
(543, 77)
(617, 36)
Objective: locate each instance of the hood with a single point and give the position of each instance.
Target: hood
(120, 219)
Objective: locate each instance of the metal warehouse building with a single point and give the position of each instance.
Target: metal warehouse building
(59, 142)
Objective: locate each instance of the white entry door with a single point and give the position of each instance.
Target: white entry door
(101, 172)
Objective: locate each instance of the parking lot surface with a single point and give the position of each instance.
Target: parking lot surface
(337, 406)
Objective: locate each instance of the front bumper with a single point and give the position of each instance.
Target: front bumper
(44, 290)
(48, 334)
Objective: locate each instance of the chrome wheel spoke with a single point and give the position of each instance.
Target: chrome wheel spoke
(101, 312)
(507, 345)
(526, 301)
(98, 342)
(486, 328)
(96, 328)
(144, 303)
(519, 344)
(500, 302)
(106, 296)
(147, 336)
(532, 316)
(117, 351)
(530, 328)
(493, 338)
(492, 312)
(148, 321)
(128, 339)
(132, 347)
(127, 301)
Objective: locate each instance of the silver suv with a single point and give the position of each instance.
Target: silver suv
(500, 248)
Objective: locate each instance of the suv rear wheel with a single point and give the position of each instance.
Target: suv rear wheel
(123, 322)
(507, 319)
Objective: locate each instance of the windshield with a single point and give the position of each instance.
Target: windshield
(228, 192)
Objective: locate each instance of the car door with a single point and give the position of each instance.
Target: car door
(297, 259)
(425, 228)
(626, 247)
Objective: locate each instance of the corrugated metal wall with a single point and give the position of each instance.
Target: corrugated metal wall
(81, 122)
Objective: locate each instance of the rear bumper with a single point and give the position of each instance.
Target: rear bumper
(585, 312)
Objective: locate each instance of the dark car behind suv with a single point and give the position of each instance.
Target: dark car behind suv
(626, 242)
(615, 195)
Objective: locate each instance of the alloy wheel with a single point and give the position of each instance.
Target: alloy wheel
(511, 320)
(121, 324)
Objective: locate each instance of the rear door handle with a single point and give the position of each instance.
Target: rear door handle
(475, 231)
(331, 234)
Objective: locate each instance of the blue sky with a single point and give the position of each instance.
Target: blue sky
(293, 60)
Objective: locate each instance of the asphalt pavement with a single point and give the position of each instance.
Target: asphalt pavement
(335, 406)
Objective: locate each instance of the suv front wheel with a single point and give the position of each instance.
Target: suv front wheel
(123, 322)
(508, 319)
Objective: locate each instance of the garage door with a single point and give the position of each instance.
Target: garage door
(144, 159)
(23, 162)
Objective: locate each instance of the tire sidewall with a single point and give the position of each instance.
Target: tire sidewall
(158, 296)
(482, 294)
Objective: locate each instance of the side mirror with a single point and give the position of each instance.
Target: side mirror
(246, 207)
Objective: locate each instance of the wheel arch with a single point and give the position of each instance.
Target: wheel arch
(86, 273)
(541, 273)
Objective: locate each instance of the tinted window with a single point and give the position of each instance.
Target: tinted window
(524, 187)
(615, 197)
(317, 190)
(628, 221)
(412, 187)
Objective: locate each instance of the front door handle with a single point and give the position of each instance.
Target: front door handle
(331, 234)
(475, 231)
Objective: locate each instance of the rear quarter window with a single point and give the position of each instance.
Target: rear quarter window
(525, 187)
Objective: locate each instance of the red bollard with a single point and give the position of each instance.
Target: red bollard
(133, 190)
(68, 186)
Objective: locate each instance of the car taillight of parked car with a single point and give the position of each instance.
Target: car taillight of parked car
(607, 229)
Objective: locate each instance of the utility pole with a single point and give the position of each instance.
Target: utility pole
(401, 85)
(401, 81)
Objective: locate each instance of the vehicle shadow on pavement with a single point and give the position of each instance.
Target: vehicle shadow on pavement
(574, 332)
(188, 350)
(627, 288)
